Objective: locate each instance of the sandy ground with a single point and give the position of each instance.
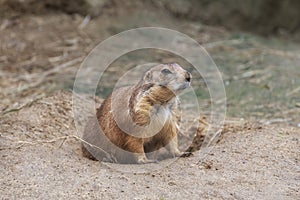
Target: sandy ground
(41, 159)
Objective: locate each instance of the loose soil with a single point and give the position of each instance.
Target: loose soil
(41, 159)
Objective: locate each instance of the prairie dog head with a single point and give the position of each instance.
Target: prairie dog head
(172, 76)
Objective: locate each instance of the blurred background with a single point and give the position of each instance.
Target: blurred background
(254, 43)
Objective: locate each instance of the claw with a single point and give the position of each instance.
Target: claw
(145, 161)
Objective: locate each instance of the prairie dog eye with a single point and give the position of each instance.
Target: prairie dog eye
(166, 71)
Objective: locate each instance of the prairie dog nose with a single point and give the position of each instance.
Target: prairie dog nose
(188, 76)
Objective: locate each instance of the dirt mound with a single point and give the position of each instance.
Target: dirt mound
(41, 158)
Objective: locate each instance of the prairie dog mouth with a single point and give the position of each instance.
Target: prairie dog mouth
(184, 86)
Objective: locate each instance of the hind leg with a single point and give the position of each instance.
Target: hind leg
(136, 147)
(172, 147)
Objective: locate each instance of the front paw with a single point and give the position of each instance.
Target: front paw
(177, 153)
(144, 160)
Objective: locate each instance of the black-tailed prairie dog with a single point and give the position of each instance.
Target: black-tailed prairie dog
(139, 119)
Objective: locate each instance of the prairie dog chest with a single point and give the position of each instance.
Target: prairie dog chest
(161, 114)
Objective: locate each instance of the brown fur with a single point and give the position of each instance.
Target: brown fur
(135, 108)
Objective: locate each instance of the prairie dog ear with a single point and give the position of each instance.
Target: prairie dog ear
(148, 76)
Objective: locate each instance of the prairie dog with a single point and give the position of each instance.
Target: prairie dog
(139, 119)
